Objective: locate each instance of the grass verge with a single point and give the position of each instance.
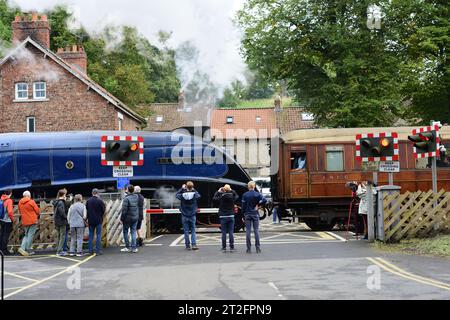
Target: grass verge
(437, 246)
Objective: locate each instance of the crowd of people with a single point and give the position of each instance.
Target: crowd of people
(72, 216)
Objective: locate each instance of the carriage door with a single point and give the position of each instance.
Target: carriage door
(298, 172)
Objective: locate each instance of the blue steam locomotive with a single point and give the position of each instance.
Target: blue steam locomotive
(46, 162)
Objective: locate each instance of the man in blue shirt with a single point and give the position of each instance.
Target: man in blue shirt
(251, 200)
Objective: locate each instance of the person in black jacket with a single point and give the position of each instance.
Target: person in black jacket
(60, 217)
(140, 240)
(227, 200)
(130, 218)
(95, 213)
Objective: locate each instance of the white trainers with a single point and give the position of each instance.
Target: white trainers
(135, 250)
(125, 250)
(23, 252)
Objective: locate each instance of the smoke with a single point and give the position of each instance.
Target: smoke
(37, 68)
(201, 24)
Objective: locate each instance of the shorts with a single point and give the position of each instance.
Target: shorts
(139, 225)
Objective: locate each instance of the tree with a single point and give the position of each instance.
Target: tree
(346, 74)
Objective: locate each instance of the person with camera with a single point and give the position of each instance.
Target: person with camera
(361, 193)
(189, 197)
(227, 199)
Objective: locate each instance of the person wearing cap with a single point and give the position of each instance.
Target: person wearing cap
(95, 213)
(189, 197)
(140, 240)
(251, 201)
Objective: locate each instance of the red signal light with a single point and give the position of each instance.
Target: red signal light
(134, 147)
(385, 143)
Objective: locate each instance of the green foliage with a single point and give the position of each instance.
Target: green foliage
(119, 59)
(344, 73)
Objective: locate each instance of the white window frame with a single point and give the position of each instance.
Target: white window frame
(159, 119)
(307, 116)
(34, 90)
(232, 119)
(28, 124)
(17, 91)
(258, 119)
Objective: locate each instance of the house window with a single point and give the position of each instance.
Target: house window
(335, 158)
(307, 117)
(230, 120)
(39, 90)
(31, 124)
(21, 91)
(258, 119)
(159, 119)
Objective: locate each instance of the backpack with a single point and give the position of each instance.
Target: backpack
(2, 210)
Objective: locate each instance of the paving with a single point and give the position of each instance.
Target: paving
(295, 263)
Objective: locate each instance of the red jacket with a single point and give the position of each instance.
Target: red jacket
(8, 205)
(29, 212)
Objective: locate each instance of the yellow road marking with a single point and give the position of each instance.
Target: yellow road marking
(15, 288)
(20, 277)
(66, 258)
(325, 235)
(40, 270)
(51, 277)
(409, 276)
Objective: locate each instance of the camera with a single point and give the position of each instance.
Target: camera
(352, 186)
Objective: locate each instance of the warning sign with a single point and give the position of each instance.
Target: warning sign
(390, 166)
(123, 172)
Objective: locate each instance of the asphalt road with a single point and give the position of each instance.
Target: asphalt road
(295, 264)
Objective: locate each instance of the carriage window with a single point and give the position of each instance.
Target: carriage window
(444, 159)
(298, 161)
(335, 158)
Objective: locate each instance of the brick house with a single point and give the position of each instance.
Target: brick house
(45, 91)
(247, 133)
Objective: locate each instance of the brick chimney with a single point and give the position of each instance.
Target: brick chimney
(278, 104)
(35, 26)
(75, 56)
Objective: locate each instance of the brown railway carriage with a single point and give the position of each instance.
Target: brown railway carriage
(316, 164)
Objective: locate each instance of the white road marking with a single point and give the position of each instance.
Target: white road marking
(271, 284)
(153, 239)
(40, 270)
(153, 245)
(175, 242)
(200, 243)
(336, 236)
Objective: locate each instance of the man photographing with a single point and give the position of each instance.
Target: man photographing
(251, 201)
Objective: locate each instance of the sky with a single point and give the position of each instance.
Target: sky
(207, 23)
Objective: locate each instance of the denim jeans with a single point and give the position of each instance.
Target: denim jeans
(252, 220)
(97, 230)
(189, 226)
(126, 229)
(275, 215)
(76, 238)
(27, 240)
(227, 226)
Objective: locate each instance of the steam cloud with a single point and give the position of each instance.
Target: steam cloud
(206, 24)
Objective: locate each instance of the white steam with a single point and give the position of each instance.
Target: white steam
(37, 68)
(204, 23)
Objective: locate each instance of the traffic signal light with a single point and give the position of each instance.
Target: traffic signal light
(426, 143)
(122, 151)
(381, 147)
